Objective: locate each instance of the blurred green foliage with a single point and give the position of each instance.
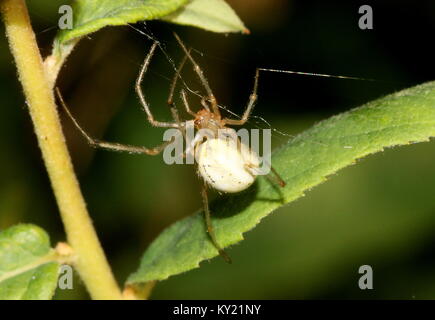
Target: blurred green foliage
(380, 212)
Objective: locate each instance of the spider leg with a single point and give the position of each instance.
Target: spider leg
(210, 226)
(186, 103)
(170, 101)
(175, 79)
(249, 107)
(113, 146)
(201, 76)
(273, 176)
(276, 178)
(142, 97)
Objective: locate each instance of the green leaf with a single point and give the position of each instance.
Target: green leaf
(92, 15)
(27, 269)
(401, 118)
(212, 15)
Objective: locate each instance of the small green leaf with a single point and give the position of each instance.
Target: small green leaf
(92, 15)
(27, 269)
(401, 118)
(212, 15)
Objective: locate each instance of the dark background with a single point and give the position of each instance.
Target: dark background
(380, 212)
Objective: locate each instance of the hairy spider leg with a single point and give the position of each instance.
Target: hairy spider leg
(113, 146)
(209, 225)
(139, 92)
(201, 76)
(250, 105)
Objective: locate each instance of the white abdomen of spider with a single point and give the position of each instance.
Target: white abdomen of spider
(227, 166)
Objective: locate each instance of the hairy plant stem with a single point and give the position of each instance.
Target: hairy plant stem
(90, 261)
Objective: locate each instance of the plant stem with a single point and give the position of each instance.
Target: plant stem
(90, 262)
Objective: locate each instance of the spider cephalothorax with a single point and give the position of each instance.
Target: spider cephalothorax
(205, 119)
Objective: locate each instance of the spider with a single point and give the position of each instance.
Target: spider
(222, 166)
